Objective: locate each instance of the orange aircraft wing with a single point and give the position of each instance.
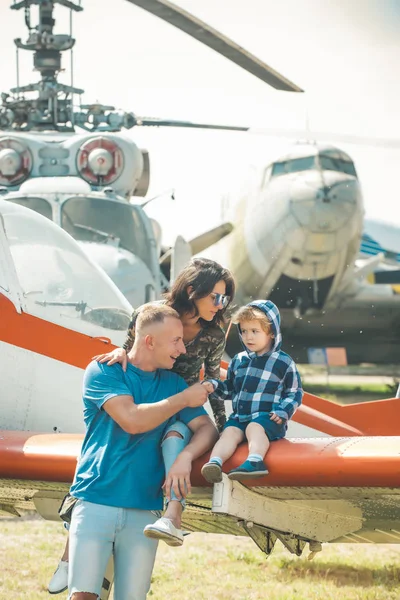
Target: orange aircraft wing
(319, 489)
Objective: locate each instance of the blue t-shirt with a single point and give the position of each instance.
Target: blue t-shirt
(117, 468)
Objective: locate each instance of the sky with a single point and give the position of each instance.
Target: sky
(346, 55)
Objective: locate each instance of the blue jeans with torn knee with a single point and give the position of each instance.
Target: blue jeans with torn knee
(173, 445)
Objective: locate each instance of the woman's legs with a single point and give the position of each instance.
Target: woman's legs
(168, 527)
(59, 581)
(176, 438)
(66, 550)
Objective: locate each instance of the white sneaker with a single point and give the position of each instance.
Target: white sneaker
(59, 581)
(164, 529)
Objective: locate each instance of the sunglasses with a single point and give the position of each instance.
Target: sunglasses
(220, 299)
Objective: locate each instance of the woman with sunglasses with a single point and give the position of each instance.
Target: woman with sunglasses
(201, 294)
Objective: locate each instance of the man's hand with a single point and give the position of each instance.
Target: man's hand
(178, 478)
(209, 386)
(275, 418)
(196, 395)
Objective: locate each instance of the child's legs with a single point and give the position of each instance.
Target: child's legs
(257, 439)
(177, 437)
(227, 443)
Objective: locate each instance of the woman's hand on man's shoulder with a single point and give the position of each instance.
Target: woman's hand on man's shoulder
(118, 355)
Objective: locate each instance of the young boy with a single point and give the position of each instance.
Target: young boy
(265, 388)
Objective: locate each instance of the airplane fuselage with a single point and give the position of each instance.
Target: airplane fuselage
(296, 239)
(297, 233)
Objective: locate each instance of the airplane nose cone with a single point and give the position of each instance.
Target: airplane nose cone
(324, 204)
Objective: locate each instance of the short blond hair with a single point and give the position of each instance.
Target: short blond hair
(149, 314)
(251, 313)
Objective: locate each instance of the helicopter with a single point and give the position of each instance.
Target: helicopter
(75, 166)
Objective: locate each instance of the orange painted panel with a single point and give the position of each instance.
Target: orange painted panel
(40, 336)
(352, 462)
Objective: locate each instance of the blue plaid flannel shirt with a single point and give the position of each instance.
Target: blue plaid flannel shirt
(259, 385)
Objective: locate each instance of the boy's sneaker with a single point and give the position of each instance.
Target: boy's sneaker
(212, 472)
(248, 470)
(59, 581)
(164, 529)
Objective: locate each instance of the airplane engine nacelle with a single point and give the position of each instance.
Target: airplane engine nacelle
(143, 186)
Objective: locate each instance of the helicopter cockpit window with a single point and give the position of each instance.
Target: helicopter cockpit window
(107, 222)
(39, 205)
(58, 281)
(292, 166)
(331, 163)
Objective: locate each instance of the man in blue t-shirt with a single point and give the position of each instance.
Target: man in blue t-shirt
(120, 472)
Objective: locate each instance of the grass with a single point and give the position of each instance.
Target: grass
(212, 567)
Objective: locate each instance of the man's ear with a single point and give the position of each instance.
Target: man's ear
(149, 341)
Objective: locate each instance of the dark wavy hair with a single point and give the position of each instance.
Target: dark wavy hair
(201, 274)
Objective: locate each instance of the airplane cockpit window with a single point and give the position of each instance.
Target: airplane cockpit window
(106, 222)
(292, 166)
(331, 163)
(39, 205)
(58, 280)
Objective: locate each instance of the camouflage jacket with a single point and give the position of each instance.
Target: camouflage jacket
(206, 349)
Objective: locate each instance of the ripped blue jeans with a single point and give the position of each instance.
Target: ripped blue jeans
(172, 446)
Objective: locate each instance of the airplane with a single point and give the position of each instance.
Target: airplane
(58, 309)
(299, 238)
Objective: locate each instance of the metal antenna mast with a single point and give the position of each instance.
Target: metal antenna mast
(51, 108)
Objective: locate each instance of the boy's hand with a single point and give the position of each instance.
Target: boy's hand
(196, 395)
(275, 418)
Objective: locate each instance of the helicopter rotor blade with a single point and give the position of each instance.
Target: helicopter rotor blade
(154, 122)
(326, 136)
(293, 134)
(201, 31)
